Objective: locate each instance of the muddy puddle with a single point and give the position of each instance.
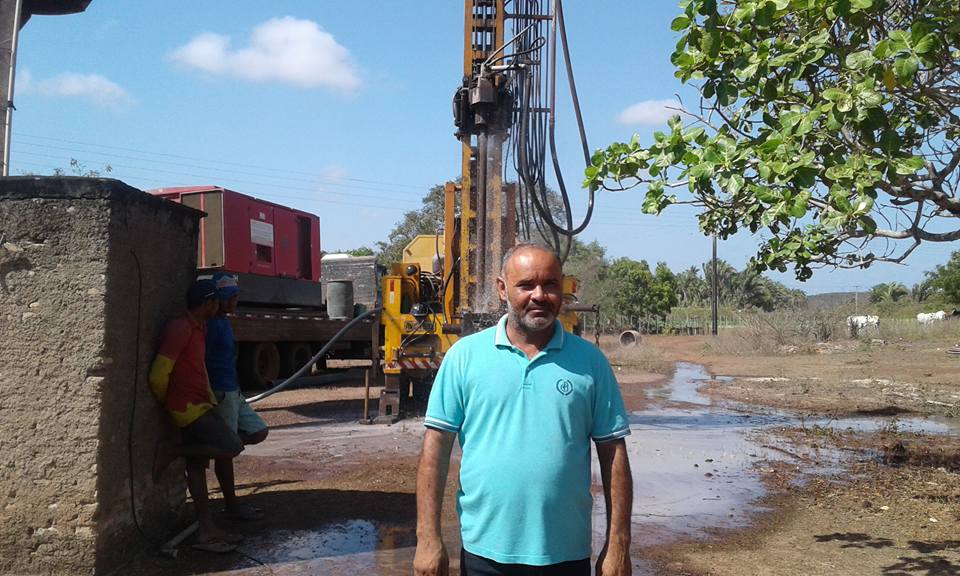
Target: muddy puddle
(694, 465)
(695, 462)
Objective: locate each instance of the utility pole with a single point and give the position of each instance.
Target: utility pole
(13, 15)
(10, 19)
(716, 289)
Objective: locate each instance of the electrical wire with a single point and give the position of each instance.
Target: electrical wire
(133, 401)
(279, 170)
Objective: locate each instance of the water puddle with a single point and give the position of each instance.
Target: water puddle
(693, 461)
(342, 548)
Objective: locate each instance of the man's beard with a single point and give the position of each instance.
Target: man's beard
(530, 325)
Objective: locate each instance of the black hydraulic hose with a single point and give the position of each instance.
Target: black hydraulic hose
(573, 86)
(569, 230)
(286, 383)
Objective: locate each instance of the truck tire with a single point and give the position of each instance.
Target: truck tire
(259, 364)
(293, 355)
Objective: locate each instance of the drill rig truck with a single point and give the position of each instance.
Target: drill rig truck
(445, 286)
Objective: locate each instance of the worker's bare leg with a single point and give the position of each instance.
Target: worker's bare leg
(223, 467)
(225, 473)
(197, 484)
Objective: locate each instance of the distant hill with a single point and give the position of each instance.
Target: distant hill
(835, 299)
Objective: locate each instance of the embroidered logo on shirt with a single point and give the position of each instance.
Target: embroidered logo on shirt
(565, 387)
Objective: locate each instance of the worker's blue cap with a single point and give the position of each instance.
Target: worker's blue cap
(227, 285)
(200, 292)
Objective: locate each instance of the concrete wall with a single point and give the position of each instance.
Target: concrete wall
(79, 323)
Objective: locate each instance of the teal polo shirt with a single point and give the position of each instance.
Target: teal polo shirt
(525, 427)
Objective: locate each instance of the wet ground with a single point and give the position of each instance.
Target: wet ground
(696, 467)
(695, 462)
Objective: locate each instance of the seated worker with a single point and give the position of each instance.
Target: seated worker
(178, 378)
(231, 405)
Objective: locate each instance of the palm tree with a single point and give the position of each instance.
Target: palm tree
(692, 288)
(888, 292)
(727, 279)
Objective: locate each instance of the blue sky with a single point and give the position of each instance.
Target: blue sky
(342, 109)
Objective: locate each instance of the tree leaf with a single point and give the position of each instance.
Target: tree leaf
(680, 23)
(925, 44)
(860, 60)
(906, 67)
(907, 166)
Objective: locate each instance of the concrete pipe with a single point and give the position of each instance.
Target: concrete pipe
(340, 299)
(629, 338)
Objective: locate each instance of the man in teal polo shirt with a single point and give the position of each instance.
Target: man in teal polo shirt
(525, 399)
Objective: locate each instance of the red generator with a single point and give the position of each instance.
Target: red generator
(274, 250)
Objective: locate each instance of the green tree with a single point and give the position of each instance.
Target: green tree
(888, 292)
(946, 278)
(727, 280)
(818, 119)
(428, 219)
(692, 289)
(923, 290)
(588, 262)
(361, 251)
(753, 290)
(632, 289)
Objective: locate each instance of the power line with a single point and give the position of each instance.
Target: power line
(223, 162)
(231, 179)
(274, 195)
(75, 156)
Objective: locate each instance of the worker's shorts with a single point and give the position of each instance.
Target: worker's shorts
(239, 416)
(212, 431)
(473, 565)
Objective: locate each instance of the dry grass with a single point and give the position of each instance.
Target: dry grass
(909, 330)
(805, 332)
(642, 358)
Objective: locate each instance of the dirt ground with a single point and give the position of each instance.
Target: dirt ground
(894, 510)
(848, 376)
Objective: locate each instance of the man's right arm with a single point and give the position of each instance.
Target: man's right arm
(431, 558)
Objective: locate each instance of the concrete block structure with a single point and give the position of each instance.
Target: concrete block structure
(90, 270)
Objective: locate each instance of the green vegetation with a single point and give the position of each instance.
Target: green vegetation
(428, 219)
(889, 292)
(946, 279)
(827, 123)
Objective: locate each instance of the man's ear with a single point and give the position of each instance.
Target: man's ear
(502, 288)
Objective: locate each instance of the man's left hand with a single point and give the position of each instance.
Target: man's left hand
(614, 561)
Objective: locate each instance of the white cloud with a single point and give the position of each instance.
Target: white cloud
(333, 173)
(91, 87)
(649, 112)
(287, 50)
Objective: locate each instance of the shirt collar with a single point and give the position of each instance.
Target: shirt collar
(555, 343)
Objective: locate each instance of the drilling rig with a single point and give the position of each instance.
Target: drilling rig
(444, 287)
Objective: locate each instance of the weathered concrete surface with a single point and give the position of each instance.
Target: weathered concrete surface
(90, 269)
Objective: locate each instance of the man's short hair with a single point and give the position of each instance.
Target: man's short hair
(526, 246)
(200, 292)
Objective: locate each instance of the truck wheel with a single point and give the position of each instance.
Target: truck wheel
(293, 355)
(259, 364)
